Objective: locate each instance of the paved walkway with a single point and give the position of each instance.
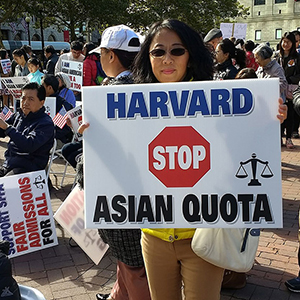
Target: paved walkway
(66, 273)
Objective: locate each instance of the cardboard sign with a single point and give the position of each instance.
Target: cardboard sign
(6, 65)
(240, 30)
(70, 216)
(75, 116)
(26, 218)
(226, 29)
(14, 85)
(179, 155)
(50, 106)
(74, 70)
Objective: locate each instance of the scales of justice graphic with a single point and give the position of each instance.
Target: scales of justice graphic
(242, 173)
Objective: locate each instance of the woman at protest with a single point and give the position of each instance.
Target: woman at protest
(34, 67)
(250, 59)
(118, 48)
(225, 53)
(21, 58)
(173, 52)
(90, 62)
(289, 59)
(4, 91)
(64, 88)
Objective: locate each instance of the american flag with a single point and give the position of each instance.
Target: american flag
(61, 118)
(5, 113)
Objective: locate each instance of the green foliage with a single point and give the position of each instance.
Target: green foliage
(139, 14)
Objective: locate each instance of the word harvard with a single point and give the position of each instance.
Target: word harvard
(238, 101)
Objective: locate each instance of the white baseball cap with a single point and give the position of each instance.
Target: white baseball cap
(119, 37)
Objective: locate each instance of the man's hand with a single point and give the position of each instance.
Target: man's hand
(3, 124)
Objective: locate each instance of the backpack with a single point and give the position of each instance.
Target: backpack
(100, 73)
(9, 289)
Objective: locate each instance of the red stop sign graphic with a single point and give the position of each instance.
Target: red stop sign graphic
(179, 156)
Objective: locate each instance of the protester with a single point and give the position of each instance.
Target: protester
(168, 256)
(21, 58)
(173, 52)
(118, 48)
(52, 59)
(74, 55)
(225, 53)
(34, 67)
(294, 284)
(297, 38)
(4, 91)
(250, 59)
(213, 37)
(50, 83)
(64, 88)
(289, 59)
(31, 133)
(268, 67)
(89, 65)
(28, 50)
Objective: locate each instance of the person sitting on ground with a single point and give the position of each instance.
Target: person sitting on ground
(52, 59)
(50, 83)
(34, 67)
(64, 88)
(31, 134)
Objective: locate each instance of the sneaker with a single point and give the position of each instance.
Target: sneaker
(289, 144)
(295, 135)
(293, 285)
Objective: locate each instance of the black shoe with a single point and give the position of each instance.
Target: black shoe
(293, 285)
(102, 296)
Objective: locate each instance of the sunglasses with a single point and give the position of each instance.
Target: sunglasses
(160, 53)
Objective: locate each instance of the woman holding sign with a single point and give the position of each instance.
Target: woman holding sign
(173, 52)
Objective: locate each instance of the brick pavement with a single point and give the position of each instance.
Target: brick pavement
(66, 273)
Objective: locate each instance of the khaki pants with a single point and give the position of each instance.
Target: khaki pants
(169, 265)
(131, 283)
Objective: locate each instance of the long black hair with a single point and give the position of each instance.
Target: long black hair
(21, 52)
(239, 55)
(200, 65)
(290, 36)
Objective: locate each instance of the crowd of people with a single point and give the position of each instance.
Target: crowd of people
(149, 264)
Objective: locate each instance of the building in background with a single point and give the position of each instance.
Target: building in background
(270, 19)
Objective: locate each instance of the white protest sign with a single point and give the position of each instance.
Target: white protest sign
(26, 218)
(240, 30)
(226, 29)
(75, 116)
(74, 69)
(6, 65)
(50, 106)
(14, 85)
(70, 216)
(179, 155)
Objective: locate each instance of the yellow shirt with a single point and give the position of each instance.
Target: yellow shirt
(171, 234)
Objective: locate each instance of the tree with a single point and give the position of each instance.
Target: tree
(201, 15)
(9, 11)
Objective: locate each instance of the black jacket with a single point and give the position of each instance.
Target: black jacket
(50, 66)
(225, 70)
(31, 138)
(65, 134)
